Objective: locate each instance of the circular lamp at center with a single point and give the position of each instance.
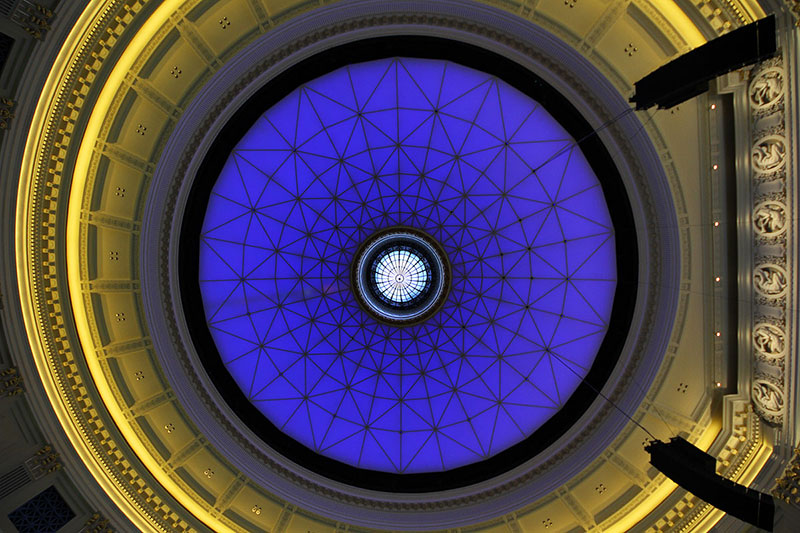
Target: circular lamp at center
(400, 276)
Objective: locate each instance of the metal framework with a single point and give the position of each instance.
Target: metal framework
(474, 163)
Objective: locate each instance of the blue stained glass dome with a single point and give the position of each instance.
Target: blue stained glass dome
(472, 162)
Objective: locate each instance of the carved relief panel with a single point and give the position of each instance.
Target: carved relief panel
(766, 88)
(771, 231)
(769, 218)
(770, 280)
(769, 154)
(769, 341)
(768, 397)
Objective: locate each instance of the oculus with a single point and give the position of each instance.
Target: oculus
(400, 276)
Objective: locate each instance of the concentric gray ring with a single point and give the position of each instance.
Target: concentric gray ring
(422, 307)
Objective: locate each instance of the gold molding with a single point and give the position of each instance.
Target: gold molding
(52, 344)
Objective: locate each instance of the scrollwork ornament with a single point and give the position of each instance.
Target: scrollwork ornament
(767, 88)
(769, 154)
(769, 218)
(769, 340)
(770, 280)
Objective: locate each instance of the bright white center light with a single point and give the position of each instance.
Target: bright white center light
(400, 275)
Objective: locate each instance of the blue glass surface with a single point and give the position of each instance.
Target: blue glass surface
(471, 161)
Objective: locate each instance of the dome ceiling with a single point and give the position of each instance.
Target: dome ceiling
(486, 195)
(124, 309)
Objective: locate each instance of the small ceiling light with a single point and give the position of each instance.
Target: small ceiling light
(718, 384)
(717, 279)
(716, 223)
(718, 334)
(713, 107)
(715, 167)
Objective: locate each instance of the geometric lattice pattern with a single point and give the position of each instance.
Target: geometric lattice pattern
(466, 158)
(400, 275)
(47, 512)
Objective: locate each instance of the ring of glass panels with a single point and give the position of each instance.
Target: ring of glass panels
(486, 171)
(400, 276)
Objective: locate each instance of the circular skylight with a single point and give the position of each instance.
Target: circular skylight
(458, 155)
(400, 275)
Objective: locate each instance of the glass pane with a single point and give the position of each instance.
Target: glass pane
(462, 156)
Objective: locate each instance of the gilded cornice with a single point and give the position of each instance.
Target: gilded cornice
(40, 267)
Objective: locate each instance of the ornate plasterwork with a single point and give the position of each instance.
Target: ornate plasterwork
(771, 227)
(724, 15)
(769, 342)
(794, 8)
(766, 89)
(769, 219)
(769, 154)
(54, 343)
(770, 280)
(787, 487)
(768, 395)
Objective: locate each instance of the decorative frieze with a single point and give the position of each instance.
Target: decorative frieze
(771, 217)
(769, 396)
(766, 89)
(769, 154)
(722, 15)
(770, 280)
(769, 342)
